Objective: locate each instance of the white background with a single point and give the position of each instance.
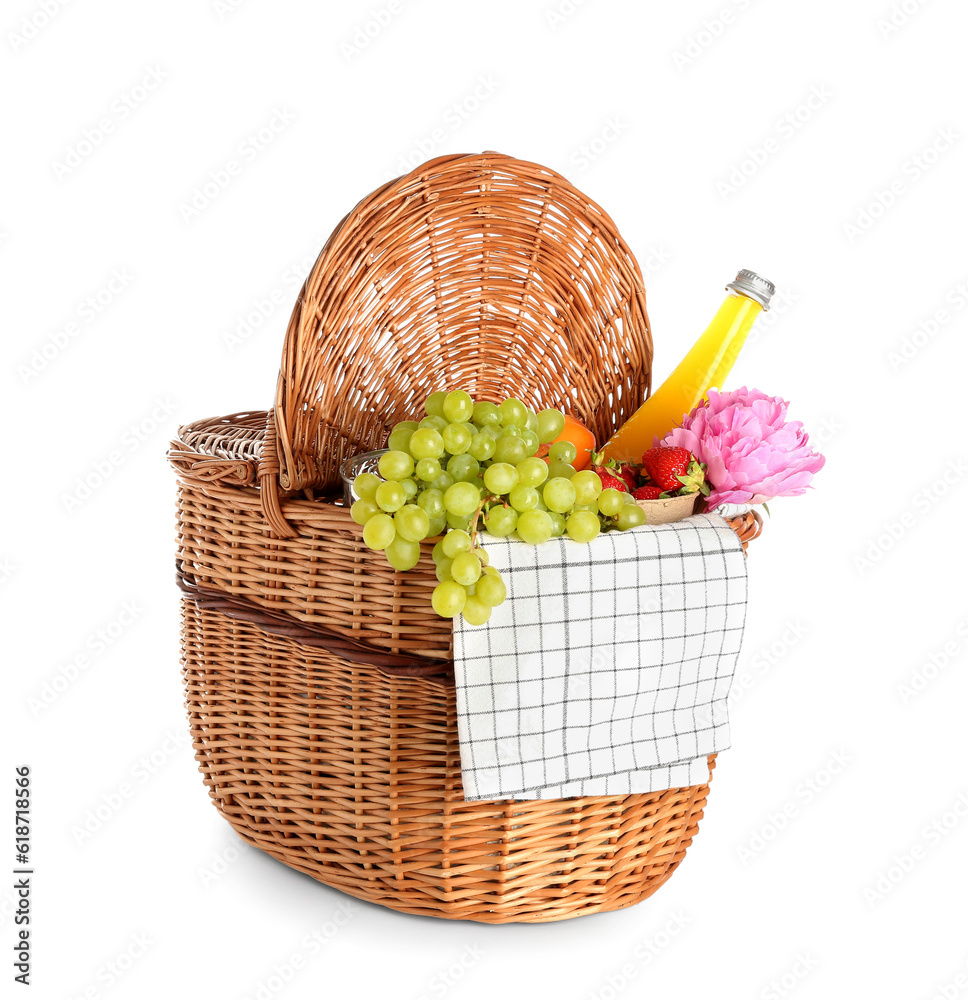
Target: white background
(822, 878)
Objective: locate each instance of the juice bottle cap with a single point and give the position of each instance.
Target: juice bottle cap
(750, 284)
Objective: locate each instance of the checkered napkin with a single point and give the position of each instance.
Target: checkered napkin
(606, 670)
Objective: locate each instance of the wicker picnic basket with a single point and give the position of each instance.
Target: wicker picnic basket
(319, 681)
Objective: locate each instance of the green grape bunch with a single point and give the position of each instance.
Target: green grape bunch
(468, 466)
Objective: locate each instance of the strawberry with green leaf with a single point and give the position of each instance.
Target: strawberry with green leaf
(614, 475)
(675, 470)
(627, 472)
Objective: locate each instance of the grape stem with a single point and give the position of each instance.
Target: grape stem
(477, 516)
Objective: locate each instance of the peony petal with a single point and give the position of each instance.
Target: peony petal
(750, 448)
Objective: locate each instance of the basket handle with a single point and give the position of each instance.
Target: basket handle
(269, 475)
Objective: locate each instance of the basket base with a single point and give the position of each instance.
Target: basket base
(353, 777)
(537, 906)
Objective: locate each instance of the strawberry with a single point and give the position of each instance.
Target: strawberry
(609, 481)
(612, 474)
(647, 493)
(628, 473)
(675, 470)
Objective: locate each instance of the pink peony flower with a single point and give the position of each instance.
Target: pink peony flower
(752, 452)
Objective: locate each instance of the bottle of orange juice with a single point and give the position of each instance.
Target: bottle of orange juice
(705, 367)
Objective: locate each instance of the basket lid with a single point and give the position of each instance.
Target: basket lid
(480, 272)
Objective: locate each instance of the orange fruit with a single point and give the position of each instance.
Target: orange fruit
(580, 436)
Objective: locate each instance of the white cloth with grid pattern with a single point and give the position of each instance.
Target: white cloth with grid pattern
(606, 670)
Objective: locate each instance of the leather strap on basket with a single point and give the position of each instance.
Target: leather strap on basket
(316, 636)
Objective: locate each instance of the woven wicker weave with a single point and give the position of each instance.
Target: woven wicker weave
(319, 681)
(484, 273)
(354, 778)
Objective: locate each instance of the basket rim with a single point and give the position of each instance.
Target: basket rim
(224, 449)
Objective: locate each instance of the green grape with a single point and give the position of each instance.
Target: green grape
(560, 470)
(523, 498)
(513, 411)
(466, 568)
(559, 494)
(433, 480)
(434, 405)
(462, 499)
(458, 406)
(365, 484)
(563, 451)
(456, 542)
(530, 440)
(363, 510)
(510, 449)
(532, 471)
(490, 588)
(396, 465)
(630, 516)
(399, 439)
(500, 478)
(379, 532)
(427, 469)
(475, 611)
(486, 413)
(534, 527)
(611, 501)
(400, 435)
(457, 438)
(583, 525)
(432, 502)
(550, 424)
(403, 554)
(464, 468)
(481, 447)
(412, 523)
(390, 496)
(588, 486)
(448, 599)
(426, 443)
(501, 521)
